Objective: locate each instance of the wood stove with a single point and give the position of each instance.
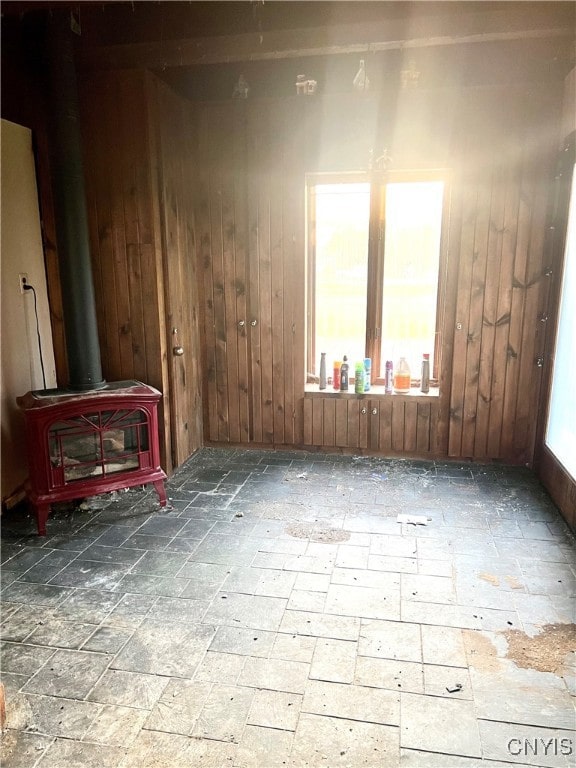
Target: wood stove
(82, 444)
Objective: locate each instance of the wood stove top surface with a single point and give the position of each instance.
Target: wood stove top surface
(46, 398)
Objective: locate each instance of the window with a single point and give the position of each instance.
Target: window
(374, 269)
(561, 428)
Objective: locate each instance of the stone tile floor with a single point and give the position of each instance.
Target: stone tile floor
(277, 614)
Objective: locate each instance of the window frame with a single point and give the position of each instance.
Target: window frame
(378, 181)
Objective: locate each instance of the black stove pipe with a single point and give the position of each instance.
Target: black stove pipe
(80, 325)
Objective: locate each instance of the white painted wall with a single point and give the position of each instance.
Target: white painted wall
(21, 252)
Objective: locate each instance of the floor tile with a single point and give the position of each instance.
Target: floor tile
(179, 707)
(412, 758)
(532, 697)
(448, 682)
(174, 651)
(331, 741)
(220, 667)
(224, 713)
(128, 689)
(246, 611)
(51, 715)
(275, 674)
(19, 749)
(390, 674)
(68, 673)
(116, 726)
(320, 625)
(424, 722)
(366, 602)
(71, 754)
(352, 702)
(23, 659)
(293, 647)
(390, 640)
(61, 633)
(107, 640)
(275, 709)
(263, 747)
(334, 660)
(443, 645)
(247, 642)
(527, 745)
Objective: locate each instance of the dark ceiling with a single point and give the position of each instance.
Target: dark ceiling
(232, 36)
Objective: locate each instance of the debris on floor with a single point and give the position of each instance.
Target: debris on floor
(546, 651)
(413, 519)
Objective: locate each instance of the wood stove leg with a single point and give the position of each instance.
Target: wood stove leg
(161, 491)
(42, 512)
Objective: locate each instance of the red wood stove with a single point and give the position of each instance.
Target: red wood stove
(82, 444)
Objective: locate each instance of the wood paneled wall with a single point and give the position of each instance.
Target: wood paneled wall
(498, 146)
(241, 166)
(138, 174)
(249, 212)
(390, 425)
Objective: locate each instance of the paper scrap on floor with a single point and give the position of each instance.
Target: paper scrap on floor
(412, 519)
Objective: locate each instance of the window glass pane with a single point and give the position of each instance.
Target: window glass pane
(411, 267)
(342, 219)
(561, 429)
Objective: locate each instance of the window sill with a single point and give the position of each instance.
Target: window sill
(376, 391)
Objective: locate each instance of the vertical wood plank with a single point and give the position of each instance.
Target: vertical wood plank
(203, 213)
(317, 421)
(217, 148)
(277, 287)
(410, 425)
(503, 316)
(423, 419)
(341, 408)
(489, 318)
(374, 425)
(466, 248)
(364, 423)
(475, 315)
(329, 429)
(385, 438)
(307, 421)
(397, 425)
(353, 423)
(241, 268)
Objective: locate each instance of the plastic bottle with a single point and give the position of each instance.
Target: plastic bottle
(402, 377)
(367, 373)
(425, 379)
(359, 378)
(344, 368)
(336, 375)
(389, 377)
(322, 384)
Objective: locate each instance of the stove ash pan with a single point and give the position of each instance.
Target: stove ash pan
(83, 444)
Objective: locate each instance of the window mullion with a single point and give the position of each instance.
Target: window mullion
(375, 273)
(311, 302)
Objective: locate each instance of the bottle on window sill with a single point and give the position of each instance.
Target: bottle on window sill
(359, 378)
(402, 377)
(336, 375)
(367, 374)
(425, 378)
(344, 368)
(322, 384)
(389, 377)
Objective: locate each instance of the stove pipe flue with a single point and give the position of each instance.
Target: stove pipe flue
(80, 325)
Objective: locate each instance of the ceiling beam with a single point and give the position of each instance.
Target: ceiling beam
(406, 34)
